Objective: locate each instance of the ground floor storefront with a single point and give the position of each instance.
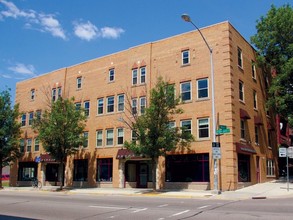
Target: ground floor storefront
(126, 170)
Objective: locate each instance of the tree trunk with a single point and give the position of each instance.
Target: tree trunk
(1, 187)
(154, 173)
(62, 175)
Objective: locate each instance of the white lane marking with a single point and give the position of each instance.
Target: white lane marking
(160, 218)
(106, 207)
(180, 213)
(139, 210)
(164, 205)
(202, 207)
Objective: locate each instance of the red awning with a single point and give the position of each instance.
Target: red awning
(126, 154)
(244, 114)
(47, 158)
(258, 120)
(244, 149)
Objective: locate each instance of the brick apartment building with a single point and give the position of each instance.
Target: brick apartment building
(108, 85)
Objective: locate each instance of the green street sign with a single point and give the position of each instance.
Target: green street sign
(222, 127)
(223, 131)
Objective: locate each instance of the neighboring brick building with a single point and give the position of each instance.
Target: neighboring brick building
(105, 86)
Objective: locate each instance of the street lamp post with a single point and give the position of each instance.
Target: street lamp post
(187, 18)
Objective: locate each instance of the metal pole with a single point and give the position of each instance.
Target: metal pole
(287, 160)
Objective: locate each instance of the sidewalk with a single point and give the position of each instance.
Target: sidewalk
(274, 189)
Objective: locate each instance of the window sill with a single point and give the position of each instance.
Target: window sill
(203, 99)
(184, 65)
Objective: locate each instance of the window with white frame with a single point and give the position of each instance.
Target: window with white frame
(54, 98)
(77, 106)
(99, 138)
(134, 77)
(29, 145)
(110, 104)
(120, 101)
(31, 118)
(270, 167)
(78, 82)
(23, 120)
(142, 105)
(33, 94)
(37, 144)
(253, 69)
(120, 136)
(133, 136)
(134, 106)
(100, 106)
(241, 91)
(202, 88)
(185, 57)
(242, 129)
(86, 139)
(87, 108)
(254, 99)
(142, 74)
(203, 127)
(186, 126)
(172, 124)
(109, 137)
(111, 75)
(59, 92)
(256, 135)
(22, 145)
(240, 57)
(185, 91)
(38, 114)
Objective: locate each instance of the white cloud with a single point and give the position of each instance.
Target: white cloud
(33, 20)
(86, 31)
(20, 68)
(111, 32)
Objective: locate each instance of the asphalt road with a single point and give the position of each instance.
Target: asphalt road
(59, 205)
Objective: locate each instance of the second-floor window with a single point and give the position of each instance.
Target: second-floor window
(110, 104)
(100, 106)
(203, 128)
(185, 57)
(23, 120)
(29, 145)
(120, 103)
(241, 91)
(186, 126)
(99, 138)
(37, 144)
(142, 105)
(59, 89)
(86, 139)
(185, 91)
(31, 118)
(134, 106)
(142, 74)
(111, 75)
(256, 135)
(22, 145)
(87, 108)
(202, 88)
(254, 100)
(134, 77)
(242, 129)
(54, 95)
(109, 137)
(120, 136)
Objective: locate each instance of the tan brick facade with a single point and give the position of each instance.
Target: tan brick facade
(164, 58)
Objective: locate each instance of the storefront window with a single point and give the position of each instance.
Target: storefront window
(187, 168)
(243, 168)
(80, 170)
(105, 169)
(27, 171)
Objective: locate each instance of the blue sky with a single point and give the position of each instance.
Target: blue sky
(40, 36)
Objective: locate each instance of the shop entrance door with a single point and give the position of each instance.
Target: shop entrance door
(142, 176)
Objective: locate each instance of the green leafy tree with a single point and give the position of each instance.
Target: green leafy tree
(274, 41)
(155, 136)
(9, 131)
(60, 131)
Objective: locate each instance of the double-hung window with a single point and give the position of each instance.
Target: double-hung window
(254, 100)
(256, 135)
(78, 82)
(29, 145)
(185, 57)
(186, 126)
(22, 145)
(87, 108)
(142, 75)
(77, 106)
(99, 138)
(134, 77)
(109, 137)
(203, 127)
(202, 88)
(23, 120)
(86, 139)
(142, 105)
(111, 75)
(242, 129)
(185, 91)
(37, 144)
(59, 91)
(134, 106)
(120, 136)
(270, 167)
(100, 106)
(110, 104)
(241, 91)
(240, 57)
(54, 98)
(253, 70)
(33, 94)
(120, 103)
(31, 118)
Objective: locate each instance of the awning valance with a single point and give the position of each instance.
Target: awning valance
(245, 149)
(244, 114)
(258, 120)
(124, 154)
(47, 158)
